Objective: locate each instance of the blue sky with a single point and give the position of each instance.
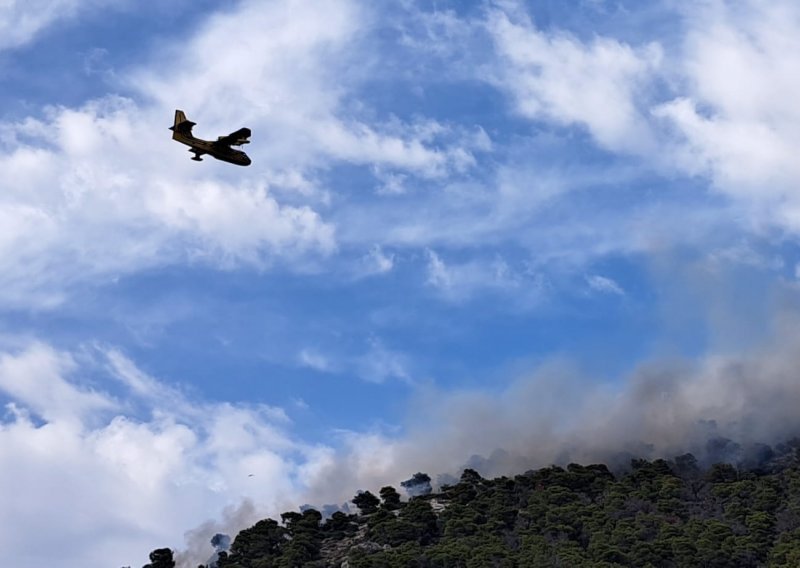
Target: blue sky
(557, 229)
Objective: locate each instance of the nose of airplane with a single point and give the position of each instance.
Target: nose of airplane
(246, 160)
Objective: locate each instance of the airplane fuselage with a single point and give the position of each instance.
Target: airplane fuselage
(220, 152)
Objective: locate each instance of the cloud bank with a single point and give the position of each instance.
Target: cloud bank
(100, 191)
(112, 467)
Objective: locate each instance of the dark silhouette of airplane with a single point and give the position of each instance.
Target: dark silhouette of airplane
(219, 149)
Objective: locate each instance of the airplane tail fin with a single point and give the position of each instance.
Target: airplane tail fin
(182, 125)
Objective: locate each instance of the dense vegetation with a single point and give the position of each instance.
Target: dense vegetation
(658, 514)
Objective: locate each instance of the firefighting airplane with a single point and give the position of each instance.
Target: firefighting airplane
(219, 149)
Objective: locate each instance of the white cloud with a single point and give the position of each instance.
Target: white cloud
(314, 360)
(22, 20)
(37, 379)
(720, 103)
(96, 484)
(459, 282)
(98, 191)
(376, 262)
(380, 364)
(737, 114)
(391, 183)
(285, 70)
(556, 77)
(605, 285)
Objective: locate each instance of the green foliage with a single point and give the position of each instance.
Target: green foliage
(390, 498)
(339, 526)
(305, 538)
(658, 515)
(161, 558)
(256, 547)
(366, 502)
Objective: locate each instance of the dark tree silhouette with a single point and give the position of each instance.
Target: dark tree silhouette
(419, 484)
(161, 558)
(391, 498)
(366, 502)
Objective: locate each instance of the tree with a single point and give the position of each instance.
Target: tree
(419, 513)
(470, 476)
(721, 473)
(339, 524)
(419, 484)
(366, 502)
(391, 498)
(161, 558)
(263, 540)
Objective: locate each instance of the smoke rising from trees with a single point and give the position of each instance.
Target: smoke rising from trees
(729, 404)
(719, 408)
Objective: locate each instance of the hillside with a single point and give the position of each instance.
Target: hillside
(658, 514)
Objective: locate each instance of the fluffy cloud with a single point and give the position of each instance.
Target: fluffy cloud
(35, 379)
(22, 20)
(95, 192)
(286, 69)
(557, 77)
(717, 101)
(737, 114)
(99, 191)
(105, 483)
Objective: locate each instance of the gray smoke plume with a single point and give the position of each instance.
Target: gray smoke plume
(730, 404)
(204, 543)
(221, 543)
(722, 407)
(727, 405)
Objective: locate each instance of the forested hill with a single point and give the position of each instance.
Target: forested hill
(658, 514)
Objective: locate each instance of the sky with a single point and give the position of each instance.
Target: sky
(495, 233)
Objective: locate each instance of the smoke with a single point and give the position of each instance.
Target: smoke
(204, 543)
(729, 404)
(719, 408)
(221, 543)
(716, 408)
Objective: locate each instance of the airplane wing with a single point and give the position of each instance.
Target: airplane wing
(235, 138)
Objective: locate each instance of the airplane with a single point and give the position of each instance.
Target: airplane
(219, 148)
